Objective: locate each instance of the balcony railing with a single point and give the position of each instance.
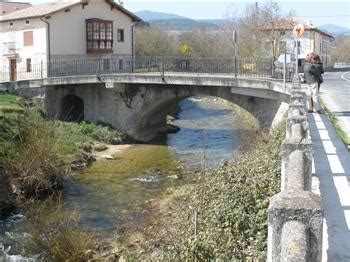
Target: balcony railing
(63, 66)
(9, 48)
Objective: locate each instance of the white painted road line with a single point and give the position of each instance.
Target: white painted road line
(347, 218)
(343, 76)
(324, 134)
(341, 184)
(335, 164)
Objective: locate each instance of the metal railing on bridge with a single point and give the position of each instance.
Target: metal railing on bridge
(62, 66)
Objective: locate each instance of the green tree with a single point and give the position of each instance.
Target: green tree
(185, 50)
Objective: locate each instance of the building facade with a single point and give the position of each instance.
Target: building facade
(34, 38)
(312, 40)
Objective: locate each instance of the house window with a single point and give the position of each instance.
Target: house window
(120, 35)
(99, 36)
(28, 38)
(29, 65)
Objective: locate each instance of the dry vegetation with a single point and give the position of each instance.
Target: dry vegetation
(220, 215)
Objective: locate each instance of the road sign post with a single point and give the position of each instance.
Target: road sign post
(298, 30)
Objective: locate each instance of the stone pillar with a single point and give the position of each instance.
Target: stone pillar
(290, 145)
(294, 242)
(302, 207)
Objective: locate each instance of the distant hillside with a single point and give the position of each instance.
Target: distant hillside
(177, 23)
(147, 15)
(335, 30)
(182, 24)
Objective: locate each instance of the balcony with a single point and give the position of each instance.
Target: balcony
(9, 49)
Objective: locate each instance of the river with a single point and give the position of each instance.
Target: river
(112, 192)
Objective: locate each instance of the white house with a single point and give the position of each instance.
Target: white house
(312, 40)
(66, 30)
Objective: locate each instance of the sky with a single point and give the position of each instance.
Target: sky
(318, 12)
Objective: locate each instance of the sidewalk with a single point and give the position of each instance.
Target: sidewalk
(331, 179)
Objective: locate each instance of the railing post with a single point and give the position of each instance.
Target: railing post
(162, 66)
(41, 69)
(284, 71)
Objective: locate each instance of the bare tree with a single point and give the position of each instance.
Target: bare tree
(206, 43)
(151, 41)
(341, 52)
(253, 41)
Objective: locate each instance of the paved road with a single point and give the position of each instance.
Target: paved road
(331, 167)
(335, 92)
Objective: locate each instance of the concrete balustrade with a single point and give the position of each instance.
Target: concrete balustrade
(295, 214)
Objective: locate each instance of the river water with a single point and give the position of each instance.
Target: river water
(112, 192)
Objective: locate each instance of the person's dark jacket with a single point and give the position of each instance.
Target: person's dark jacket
(312, 72)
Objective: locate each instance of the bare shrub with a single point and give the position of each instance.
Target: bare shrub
(55, 235)
(32, 162)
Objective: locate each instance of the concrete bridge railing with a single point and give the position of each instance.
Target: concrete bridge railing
(295, 215)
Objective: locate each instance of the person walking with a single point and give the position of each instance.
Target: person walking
(313, 70)
(318, 61)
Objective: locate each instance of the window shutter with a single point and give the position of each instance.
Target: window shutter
(28, 38)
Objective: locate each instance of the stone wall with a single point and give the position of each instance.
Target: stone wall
(295, 215)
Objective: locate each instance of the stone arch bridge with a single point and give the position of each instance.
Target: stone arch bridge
(138, 103)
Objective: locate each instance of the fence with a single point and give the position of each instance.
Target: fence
(342, 64)
(295, 215)
(61, 66)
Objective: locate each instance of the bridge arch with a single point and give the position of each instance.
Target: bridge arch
(152, 118)
(158, 101)
(72, 108)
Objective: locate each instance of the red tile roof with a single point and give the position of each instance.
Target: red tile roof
(8, 7)
(288, 24)
(285, 24)
(51, 8)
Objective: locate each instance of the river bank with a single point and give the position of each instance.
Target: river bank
(134, 192)
(36, 153)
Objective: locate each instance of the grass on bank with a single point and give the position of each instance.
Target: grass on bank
(342, 134)
(10, 103)
(36, 152)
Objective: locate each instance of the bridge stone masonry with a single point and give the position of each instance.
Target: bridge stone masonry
(295, 215)
(138, 103)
